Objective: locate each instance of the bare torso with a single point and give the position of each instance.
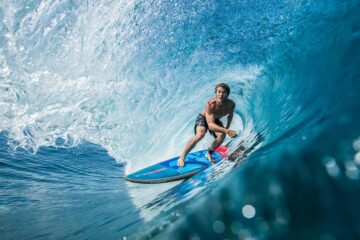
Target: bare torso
(219, 110)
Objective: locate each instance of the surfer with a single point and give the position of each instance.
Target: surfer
(209, 118)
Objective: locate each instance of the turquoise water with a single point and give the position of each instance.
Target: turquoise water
(92, 91)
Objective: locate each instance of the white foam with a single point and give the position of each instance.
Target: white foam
(90, 72)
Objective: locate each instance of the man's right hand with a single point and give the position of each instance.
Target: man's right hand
(180, 162)
(231, 133)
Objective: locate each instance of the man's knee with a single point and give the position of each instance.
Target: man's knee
(199, 136)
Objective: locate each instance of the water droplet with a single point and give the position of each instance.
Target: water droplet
(331, 166)
(282, 216)
(248, 211)
(349, 165)
(351, 170)
(236, 227)
(357, 157)
(218, 227)
(275, 189)
(244, 234)
(329, 161)
(356, 144)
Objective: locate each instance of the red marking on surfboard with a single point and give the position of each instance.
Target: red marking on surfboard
(224, 151)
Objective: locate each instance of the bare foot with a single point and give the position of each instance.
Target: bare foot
(208, 156)
(180, 162)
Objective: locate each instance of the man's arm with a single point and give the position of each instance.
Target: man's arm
(230, 116)
(210, 119)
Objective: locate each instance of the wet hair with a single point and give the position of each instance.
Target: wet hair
(224, 86)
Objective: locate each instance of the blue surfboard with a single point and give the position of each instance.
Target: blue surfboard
(168, 170)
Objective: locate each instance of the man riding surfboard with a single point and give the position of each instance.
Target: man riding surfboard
(209, 119)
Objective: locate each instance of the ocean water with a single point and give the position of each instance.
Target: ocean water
(93, 90)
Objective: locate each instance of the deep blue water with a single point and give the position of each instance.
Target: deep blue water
(92, 91)
(63, 193)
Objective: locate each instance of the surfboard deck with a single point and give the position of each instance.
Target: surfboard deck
(168, 170)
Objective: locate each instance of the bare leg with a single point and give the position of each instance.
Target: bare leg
(200, 133)
(217, 142)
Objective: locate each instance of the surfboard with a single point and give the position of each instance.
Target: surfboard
(168, 170)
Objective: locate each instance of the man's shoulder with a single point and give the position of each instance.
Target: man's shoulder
(211, 102)
(211, 105)
(231, 103)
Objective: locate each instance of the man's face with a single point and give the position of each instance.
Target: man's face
(221, 94)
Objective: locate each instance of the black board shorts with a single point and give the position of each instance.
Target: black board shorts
(201, 121)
